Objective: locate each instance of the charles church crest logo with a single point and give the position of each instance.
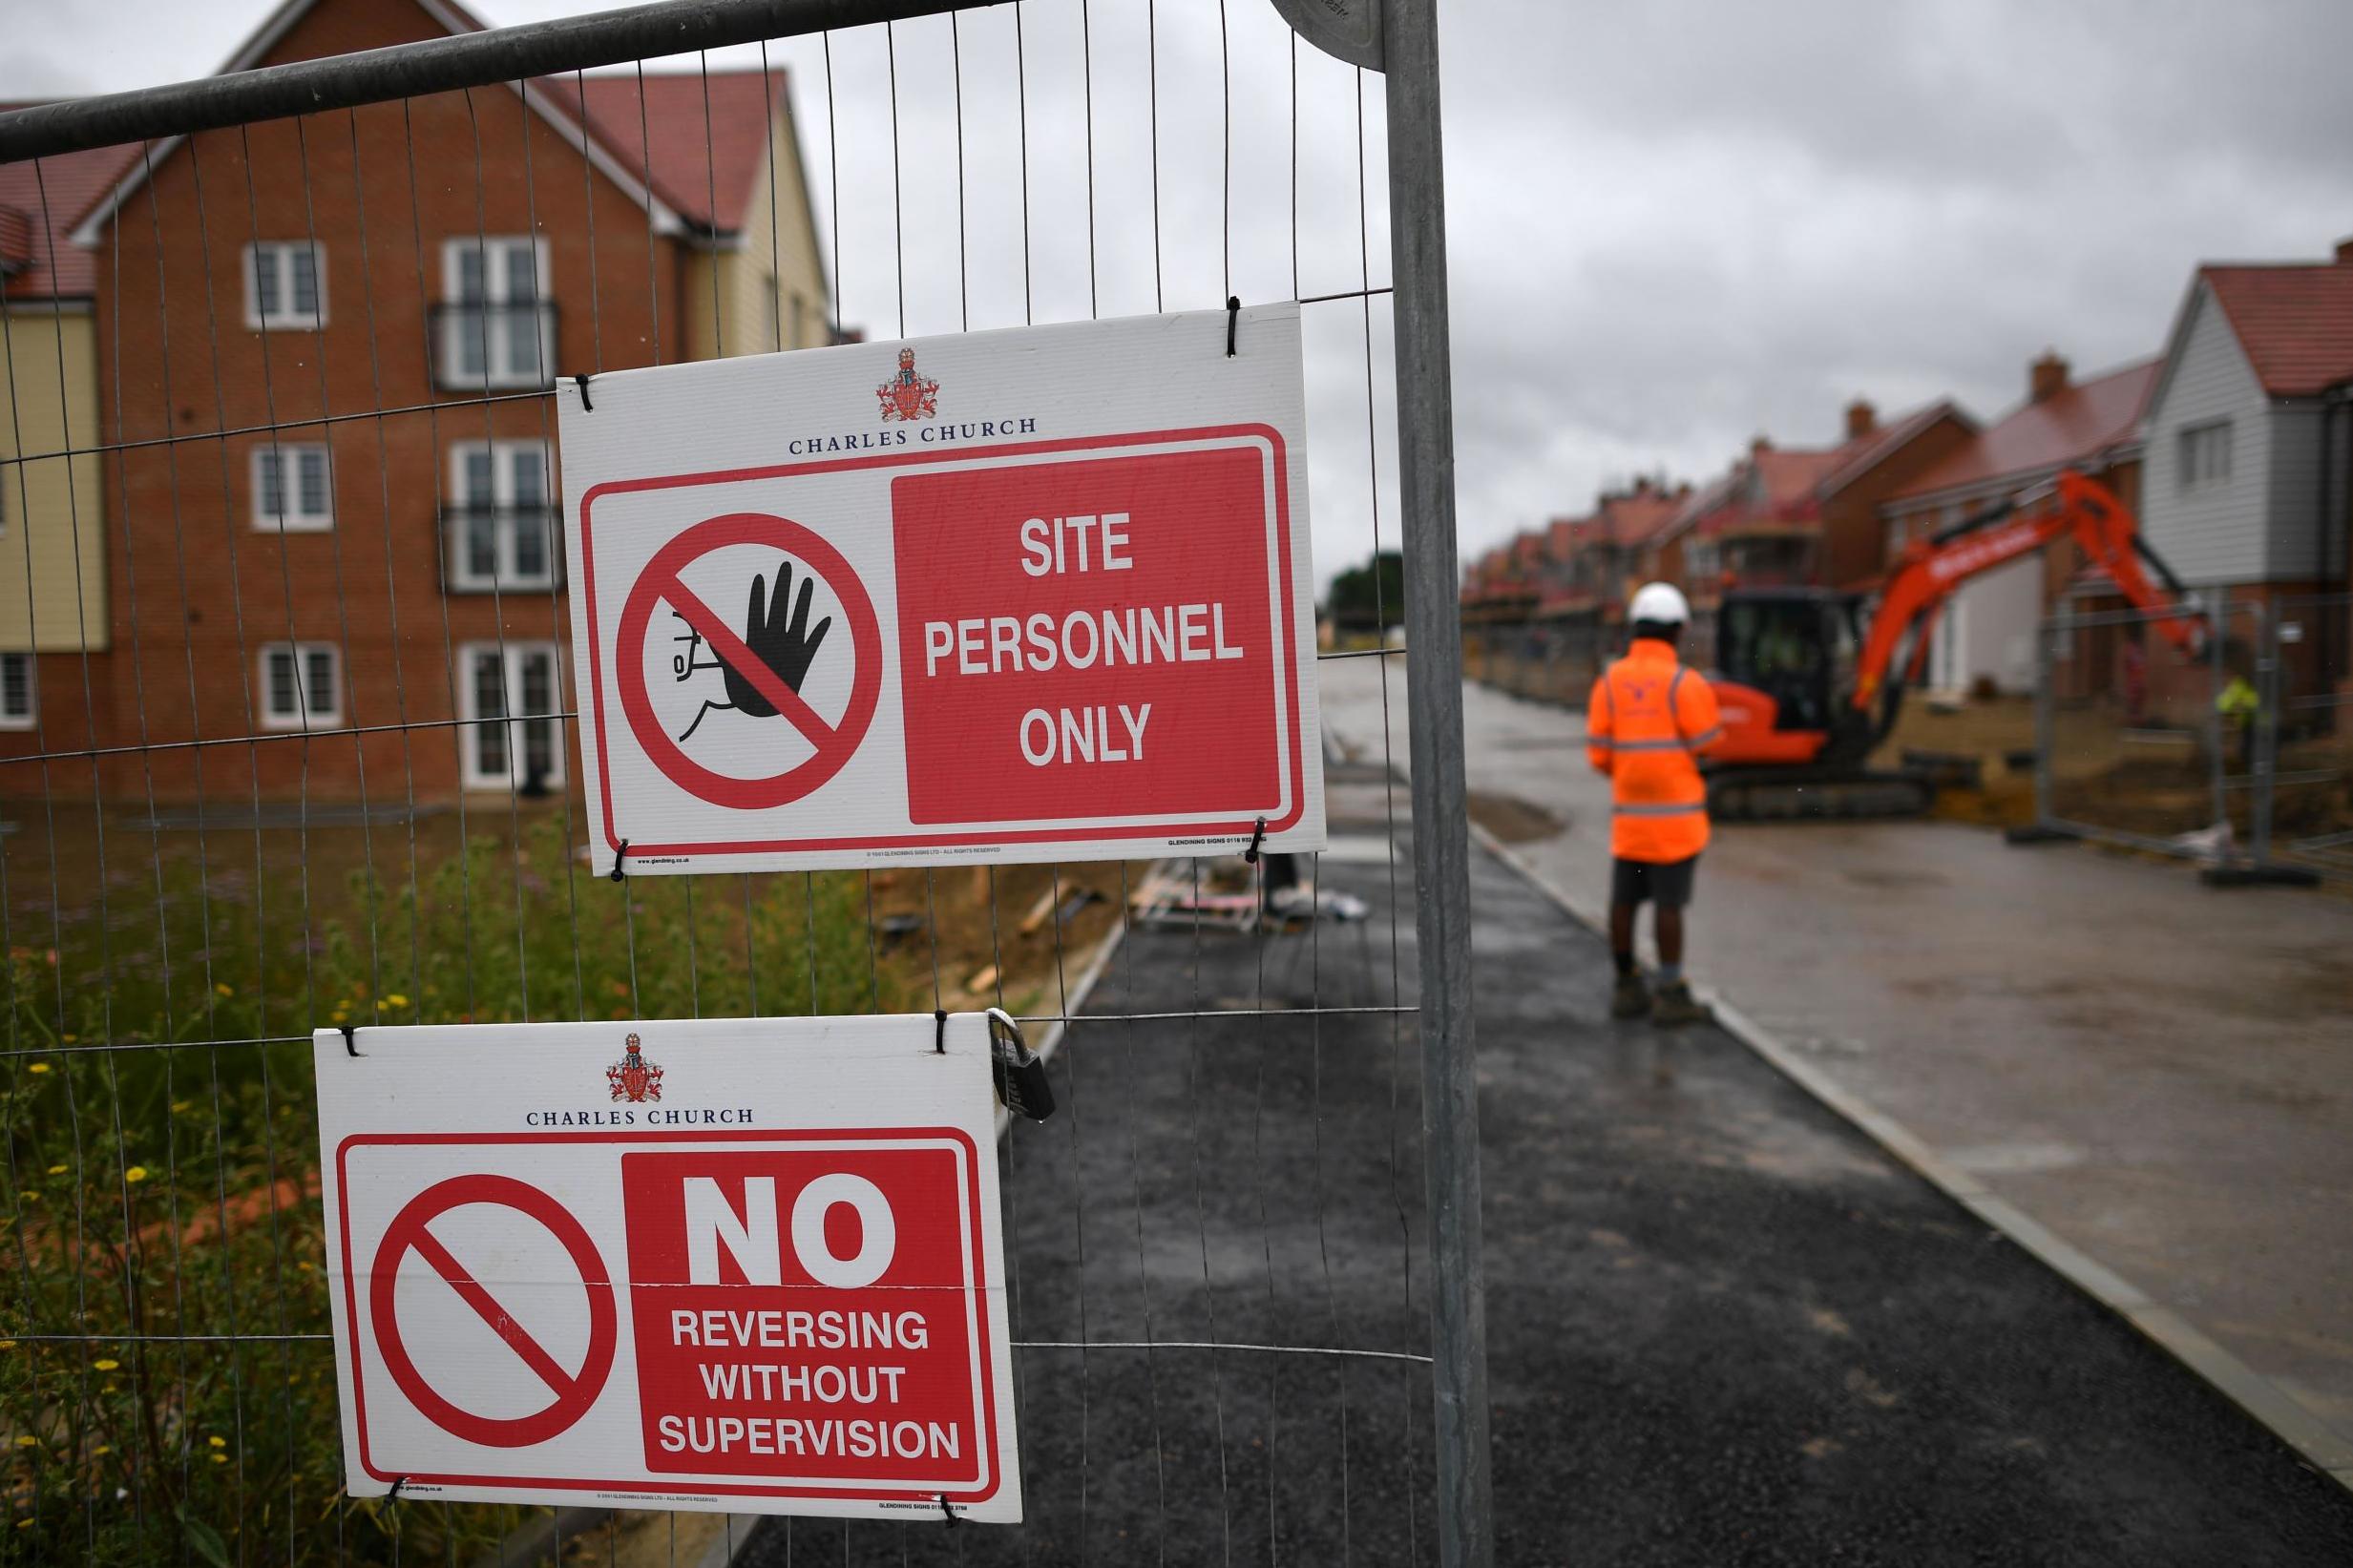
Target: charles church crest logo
(908, 395)
(633, 1078)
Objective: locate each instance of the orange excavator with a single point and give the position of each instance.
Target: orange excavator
(1807, 689)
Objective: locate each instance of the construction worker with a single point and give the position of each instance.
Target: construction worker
(2239, 708)
(1647, 722)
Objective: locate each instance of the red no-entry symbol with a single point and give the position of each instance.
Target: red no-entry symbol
(575, 1391)
(833, 743)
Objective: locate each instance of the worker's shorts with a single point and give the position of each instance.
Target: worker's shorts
(1667, 884)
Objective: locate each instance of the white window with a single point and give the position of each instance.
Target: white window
(286, 285)
(500, 527)
(293, 488)
(18, 701)
(508, 695)
(2205, 455)
(497, 329)
(302, 685)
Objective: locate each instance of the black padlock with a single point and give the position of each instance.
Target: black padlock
(1021, 1072)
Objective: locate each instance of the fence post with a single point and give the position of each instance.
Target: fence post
(2046, 719)
(2216, 676)
(1441, 832)
(2270, 691)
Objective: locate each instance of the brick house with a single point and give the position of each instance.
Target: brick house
(335, 557)
(1796, 518)
(1986, 637)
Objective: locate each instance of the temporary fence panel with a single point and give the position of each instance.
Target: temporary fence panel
(287, 742)
(2307, 821)
(2193, 746)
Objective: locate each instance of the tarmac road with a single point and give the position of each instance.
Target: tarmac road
(1724, 1327)
(2153, 1069)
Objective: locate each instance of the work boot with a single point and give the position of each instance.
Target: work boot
(1677, 1006)
(1631, 998)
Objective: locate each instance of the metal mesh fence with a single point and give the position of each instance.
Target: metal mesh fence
(2310, 817)
(284, 742)
(2229, 751)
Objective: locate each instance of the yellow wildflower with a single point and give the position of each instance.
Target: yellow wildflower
(225, 987)
(103, 1448)
(106, 1363)
(182, 1107)
(217, 1442)
(220, 1458)
(397, 1000)
(28, 1440)
(8, 1345)
(136, 1174)
(38, 1067)
(72, 1040)
(57, 1170)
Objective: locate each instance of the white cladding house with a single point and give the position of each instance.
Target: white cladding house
(2248, 435)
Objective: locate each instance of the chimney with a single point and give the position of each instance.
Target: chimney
(2344, 251)
(1861, 418)
(1761, 445)
(2046, 377)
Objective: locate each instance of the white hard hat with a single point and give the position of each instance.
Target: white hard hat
(1661, 602)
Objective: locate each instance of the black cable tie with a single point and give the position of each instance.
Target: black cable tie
(945, 1509)
(1233, 314)
(1259, 837)
(939, 1036)
(398, 1482)
(619, 850)
(349, 1044)
(582, 381)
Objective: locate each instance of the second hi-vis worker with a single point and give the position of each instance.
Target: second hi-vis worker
(1649, 720)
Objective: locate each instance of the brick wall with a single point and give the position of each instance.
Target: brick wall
(200, 590)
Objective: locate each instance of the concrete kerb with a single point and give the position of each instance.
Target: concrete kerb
(2318, 1443)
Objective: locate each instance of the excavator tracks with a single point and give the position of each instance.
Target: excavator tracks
(1780, 794)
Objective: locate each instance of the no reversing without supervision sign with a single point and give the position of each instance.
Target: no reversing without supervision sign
(742, 1264)
(1042, 593)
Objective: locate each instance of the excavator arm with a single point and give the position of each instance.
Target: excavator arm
(1933, 569)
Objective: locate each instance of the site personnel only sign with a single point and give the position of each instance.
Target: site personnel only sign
(722, 1265)
(1030, 594)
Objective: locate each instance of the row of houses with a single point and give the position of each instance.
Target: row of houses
(278, 476)
(2234, 445)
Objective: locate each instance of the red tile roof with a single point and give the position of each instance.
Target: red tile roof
(60, 192)
(1633, 519)
(705, 167)
(2295, 321)
(2070, 425)
(1866, 452)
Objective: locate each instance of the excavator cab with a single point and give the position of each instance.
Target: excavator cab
(1785, 675)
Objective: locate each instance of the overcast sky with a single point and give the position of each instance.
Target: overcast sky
(1673, 225)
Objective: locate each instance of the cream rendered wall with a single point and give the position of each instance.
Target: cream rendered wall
(52, 513)
(778, 242)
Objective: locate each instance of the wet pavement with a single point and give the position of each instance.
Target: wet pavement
(1724, 1325)
(2155, 1069)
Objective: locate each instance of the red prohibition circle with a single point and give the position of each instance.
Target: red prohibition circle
(575, 1391)
(835, 743)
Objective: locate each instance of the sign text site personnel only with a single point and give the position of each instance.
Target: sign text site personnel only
(1034, 594)
(730, 1264)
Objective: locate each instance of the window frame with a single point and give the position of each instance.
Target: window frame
(471, 722)
(457, 569)
(2216, 436)
(288, 454)
(449, 374)
(306, 715)
(31, 718)
(282, 317)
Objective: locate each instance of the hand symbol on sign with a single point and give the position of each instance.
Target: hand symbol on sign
(785, 645)
(783, 648)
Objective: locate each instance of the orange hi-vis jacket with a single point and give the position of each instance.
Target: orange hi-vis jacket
(1647, 722)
